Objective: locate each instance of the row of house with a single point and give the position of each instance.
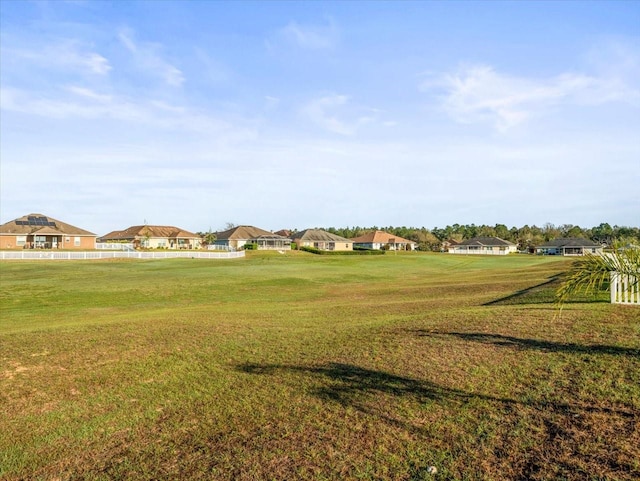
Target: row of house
(37, 231)
(495, 246)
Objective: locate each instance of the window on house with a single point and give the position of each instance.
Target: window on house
(21, 240)
(76, 241)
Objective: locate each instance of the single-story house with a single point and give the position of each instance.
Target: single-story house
(283, 232)
(322, 240)
(383, 240)
(571, 246)
(448, 244)
(36, 231)
(237, 237)
(483, 245)
(155, 237)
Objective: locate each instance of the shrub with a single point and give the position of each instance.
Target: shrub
(355, 252)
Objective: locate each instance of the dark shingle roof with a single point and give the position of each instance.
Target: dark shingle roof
(570, 242)
(486, 241)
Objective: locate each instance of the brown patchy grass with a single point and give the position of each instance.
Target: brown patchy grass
(303, 367)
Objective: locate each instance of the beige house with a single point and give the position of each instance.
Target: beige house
(383, 240)
(320, 239)
(239, 236)
(155, 237)
(36, 231)
(484, 245)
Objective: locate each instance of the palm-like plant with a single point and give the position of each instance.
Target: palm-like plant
(593, 272)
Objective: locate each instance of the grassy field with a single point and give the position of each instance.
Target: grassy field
(285, 367)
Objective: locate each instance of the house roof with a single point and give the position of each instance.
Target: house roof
(570, 242)
(486, 241)
(43, 225)
(137, 231)
(318, 235)
(243, 232)
(380, 237)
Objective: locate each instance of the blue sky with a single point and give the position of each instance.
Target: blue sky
(304, 114)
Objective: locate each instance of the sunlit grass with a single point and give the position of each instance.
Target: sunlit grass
(297, 366)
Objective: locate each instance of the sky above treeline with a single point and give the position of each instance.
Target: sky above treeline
(304, 114)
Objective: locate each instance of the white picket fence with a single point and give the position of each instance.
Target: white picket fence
(69, 255)
(624, 289)
(115, 246)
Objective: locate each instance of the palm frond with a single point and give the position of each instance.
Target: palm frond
(592, 272)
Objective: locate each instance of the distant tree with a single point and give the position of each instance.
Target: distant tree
(574, 231)
(485, 231)
(603, 234)
(208, 238)
(550, 231)
(426, 240)
(502, 231)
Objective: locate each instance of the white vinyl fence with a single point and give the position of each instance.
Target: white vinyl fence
(69, 255)
(624, 289)
(115, 246)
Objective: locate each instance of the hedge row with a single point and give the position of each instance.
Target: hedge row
(356, 252)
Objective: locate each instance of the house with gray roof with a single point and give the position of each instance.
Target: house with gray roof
(570, 246)
(483, 245)
(323, 240)
(239, 236)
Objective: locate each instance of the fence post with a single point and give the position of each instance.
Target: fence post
(614, 287)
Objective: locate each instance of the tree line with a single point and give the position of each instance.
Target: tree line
(525, 237)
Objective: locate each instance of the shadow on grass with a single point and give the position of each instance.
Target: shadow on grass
(543, 293)
(537, 344)
(360, 388)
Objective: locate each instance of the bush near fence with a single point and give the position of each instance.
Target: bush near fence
(356, 252)
(82, 255)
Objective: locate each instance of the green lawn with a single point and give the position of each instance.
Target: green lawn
(295, 366)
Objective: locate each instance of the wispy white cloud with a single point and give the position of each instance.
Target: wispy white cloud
(59, 55)
(311, 36)
(323, 112)
(75, 102)
(306, 36)
(336, 113)
(88, 93)
(214, 71)
(271, 102)
(479, 93)
(147, 56)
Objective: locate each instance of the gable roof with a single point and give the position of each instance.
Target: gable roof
(380, 237)
(570, 242)
(318, 235)
(40, 224)
(243, 232)
(162, 231)
(486, 241)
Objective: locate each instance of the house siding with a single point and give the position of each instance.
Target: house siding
(62, 241)
(482, 250)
